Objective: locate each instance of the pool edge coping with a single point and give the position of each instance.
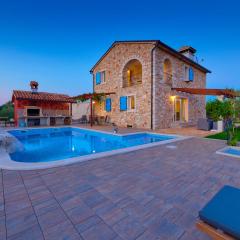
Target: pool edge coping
(8, 164)
(221, 152)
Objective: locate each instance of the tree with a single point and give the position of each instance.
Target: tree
(228, 111)
(6, 110)
(214, 109)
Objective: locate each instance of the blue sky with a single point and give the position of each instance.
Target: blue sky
(57, 42)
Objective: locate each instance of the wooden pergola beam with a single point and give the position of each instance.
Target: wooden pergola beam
(91, 96)
(207, 91)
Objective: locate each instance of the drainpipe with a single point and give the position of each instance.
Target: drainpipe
(92, 80)
(91, 102)
(155, 46)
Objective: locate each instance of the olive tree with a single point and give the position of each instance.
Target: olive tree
(227, 110)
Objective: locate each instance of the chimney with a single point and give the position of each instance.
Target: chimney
(188, 51)
(34, 86)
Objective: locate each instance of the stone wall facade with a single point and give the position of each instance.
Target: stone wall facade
(162, 94)
(152, 111)
(113, 64)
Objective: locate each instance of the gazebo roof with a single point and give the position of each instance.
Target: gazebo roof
(41, 96)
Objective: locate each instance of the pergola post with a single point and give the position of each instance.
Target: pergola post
(91, 96)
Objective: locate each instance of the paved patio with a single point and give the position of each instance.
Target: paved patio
(185, 131)
(154, 193)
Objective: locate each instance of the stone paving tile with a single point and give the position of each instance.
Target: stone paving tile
(99, 231)
(93, 198)
(128, 228)
(53, 207)
(147, 194)
(14, 206)
(109, 212)
(34, 232)
(166, 229)
(80, 213)
(87, 223)
(71, 202)
(3, 232)
(41, 206)
(51, 218)
(62, 231)
(20, 220)
(125, 202)
(147, 235)
(117, 238)
(81, 188)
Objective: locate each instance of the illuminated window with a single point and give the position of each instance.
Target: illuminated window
(129, 77)
(132, 73)
(131, 103)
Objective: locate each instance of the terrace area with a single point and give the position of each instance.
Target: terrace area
(152, 193)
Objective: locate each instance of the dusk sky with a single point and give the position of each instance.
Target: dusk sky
(57, 42)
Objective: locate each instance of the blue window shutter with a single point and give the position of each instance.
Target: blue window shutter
(108, 105)
(123, 103)
(98, 78)
(190, 74)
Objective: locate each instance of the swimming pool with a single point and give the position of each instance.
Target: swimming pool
(230, 151)
(52, 144)
(50, 147)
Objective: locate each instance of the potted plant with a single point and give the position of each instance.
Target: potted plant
(213, 110)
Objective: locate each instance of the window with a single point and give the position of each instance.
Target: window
(129, 77)
(180, 108)
(188, 74)
(103, 76)
(185, 73)
(131, 103)
(127, 103)
(167, 72)
(108, 105)
(132, 73)
(100, 77)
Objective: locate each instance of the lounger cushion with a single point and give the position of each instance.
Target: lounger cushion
(223, 211)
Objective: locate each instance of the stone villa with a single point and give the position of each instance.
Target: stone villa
(145, 78)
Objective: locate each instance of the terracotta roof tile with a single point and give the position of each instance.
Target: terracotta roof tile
(41, 96)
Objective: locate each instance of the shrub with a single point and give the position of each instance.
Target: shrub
(7, 110)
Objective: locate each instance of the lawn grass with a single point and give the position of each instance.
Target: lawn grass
(223, 135)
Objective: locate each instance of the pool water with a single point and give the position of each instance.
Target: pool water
(233, 151)
(52, 144)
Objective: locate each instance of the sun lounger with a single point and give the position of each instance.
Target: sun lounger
(220, 218)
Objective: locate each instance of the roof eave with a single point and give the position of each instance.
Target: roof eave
(181, 56)
(118, 42)
(160, 45)
(46, 100)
